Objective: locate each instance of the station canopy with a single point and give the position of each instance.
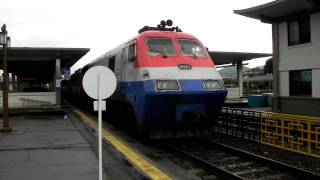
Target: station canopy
(39, 61)
(222, 57)
(280, 9)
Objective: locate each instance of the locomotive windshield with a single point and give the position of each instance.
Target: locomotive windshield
(160, 47)
(191, 48)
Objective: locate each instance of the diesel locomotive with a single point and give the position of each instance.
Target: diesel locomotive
(167, 84)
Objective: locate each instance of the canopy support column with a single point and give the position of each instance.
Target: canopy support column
(240, 79)
(57, 82)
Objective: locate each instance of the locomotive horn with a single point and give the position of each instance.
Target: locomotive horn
(169, 22)
(163, 24)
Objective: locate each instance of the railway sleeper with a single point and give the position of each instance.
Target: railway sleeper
(231, 158)
(209, 177)
(178, 133)
(251, 171)
(238, 166)
(274, 176)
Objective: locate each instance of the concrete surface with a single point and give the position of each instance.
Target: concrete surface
(49, 147)
(52, 148)
(153, 154)
(45, 147)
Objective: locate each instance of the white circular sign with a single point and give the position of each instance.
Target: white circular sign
(108, 82)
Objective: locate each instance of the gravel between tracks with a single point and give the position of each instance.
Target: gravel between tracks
(294, 159)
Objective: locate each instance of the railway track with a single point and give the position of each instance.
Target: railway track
(226, 162)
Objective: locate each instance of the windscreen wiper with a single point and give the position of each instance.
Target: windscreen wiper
(190, 52)
(162, 53)
(193, 54)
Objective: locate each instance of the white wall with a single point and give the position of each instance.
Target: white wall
(233, 93)
(31, 99)
(316, 82)
(284, 83)
(299, 57)
(304, 56)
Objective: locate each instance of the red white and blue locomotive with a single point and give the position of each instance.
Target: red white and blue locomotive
(166, 80)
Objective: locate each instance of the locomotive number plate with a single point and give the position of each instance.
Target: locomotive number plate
(184, 66)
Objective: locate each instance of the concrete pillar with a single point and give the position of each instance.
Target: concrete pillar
(276, 106)
(10, 82)
(240, 79)
(57, 82)
(13, 82)
(19, 84)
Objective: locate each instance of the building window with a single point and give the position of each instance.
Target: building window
(300, 83)
(299, 31)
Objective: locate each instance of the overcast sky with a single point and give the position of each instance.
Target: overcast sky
(103, 24)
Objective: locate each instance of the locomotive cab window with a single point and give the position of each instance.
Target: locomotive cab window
(132, 52)
(161, 47)
(112, 62)
(191, 48)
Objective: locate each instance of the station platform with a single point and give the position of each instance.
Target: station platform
(52, 147)
(63, 145)
(236, 102)
(242, 103)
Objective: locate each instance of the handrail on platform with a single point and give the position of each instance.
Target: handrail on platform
(296, 133)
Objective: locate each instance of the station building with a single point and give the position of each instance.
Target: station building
(296, 53)
(225, 59)
(35, 76)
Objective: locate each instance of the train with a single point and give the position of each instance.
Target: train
(167, 84)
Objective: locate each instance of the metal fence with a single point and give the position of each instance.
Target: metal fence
(300, 134)
(239, 123)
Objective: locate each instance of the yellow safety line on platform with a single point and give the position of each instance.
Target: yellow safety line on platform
(133, 157)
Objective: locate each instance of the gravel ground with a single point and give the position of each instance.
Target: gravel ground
(186, 164)
(232, 162)
(294, 159)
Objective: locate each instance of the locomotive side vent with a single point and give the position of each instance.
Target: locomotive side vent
(161, 27)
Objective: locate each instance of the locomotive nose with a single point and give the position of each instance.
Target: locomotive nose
(194, 116)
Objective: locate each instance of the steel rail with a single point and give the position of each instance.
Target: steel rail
(289, 169)
(216, 170)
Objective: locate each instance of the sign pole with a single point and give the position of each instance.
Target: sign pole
(99, 82)
(100, 126)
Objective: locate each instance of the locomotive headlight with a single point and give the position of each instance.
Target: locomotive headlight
(212, 84)
(167, 85)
